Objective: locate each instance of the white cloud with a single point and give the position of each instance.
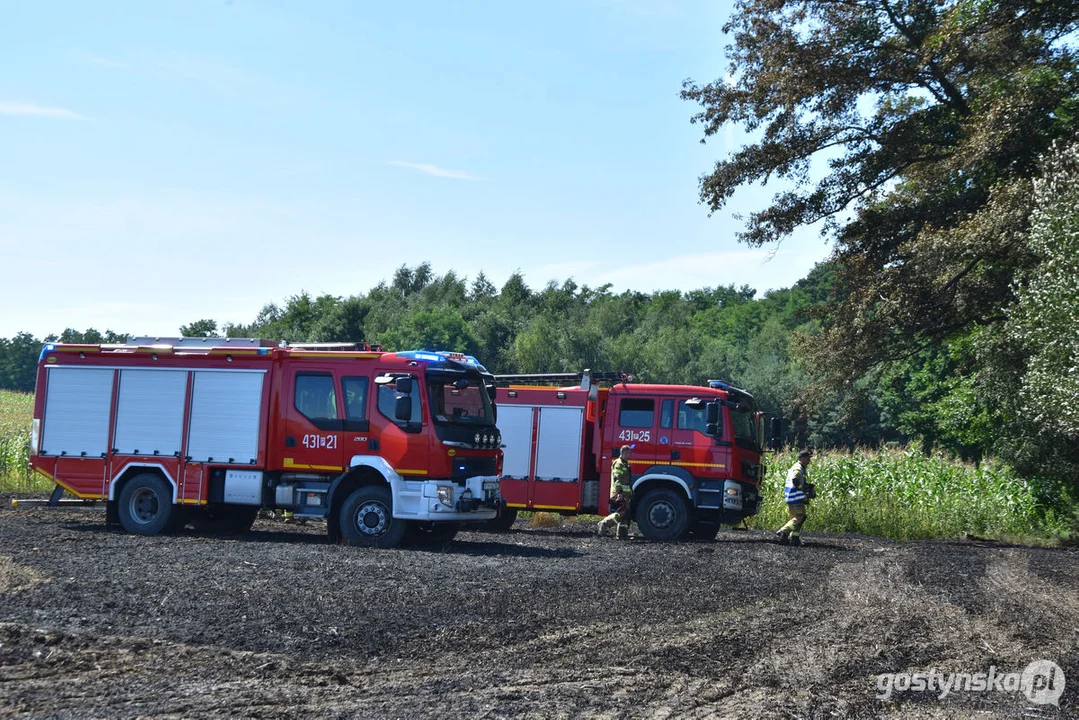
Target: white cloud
(434, 170)
(32, 110)
(103, 61)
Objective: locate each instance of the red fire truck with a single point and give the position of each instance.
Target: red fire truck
(208, 431)
(696, 450)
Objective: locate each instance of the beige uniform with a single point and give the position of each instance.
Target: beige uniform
(621, 489)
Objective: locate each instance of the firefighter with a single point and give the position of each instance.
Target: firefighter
(621, 495)
(797, 492)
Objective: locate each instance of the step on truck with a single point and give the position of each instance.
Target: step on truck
(382, 445)
(697, 451)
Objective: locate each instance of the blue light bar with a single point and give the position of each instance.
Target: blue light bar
(443, 356)
(421, 355)
(49, 347)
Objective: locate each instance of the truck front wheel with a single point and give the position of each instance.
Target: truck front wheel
(662, 514)
(367, 519)
(145, 505)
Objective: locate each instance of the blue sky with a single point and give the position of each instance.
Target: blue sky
(165, 162)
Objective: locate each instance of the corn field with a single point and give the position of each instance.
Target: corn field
(906, 495)
(16, 414)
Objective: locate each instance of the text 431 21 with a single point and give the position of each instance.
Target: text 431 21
(314, 440)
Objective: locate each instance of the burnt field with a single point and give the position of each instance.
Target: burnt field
(541, 623)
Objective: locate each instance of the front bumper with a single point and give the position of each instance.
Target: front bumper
(447, 500)
(740, 500)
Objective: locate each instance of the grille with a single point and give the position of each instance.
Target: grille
(466, 467)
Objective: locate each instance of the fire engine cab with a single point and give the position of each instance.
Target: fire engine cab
(208, 431)
(696, 460)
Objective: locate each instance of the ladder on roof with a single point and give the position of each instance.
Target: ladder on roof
(195, 342)
(191, 343)
(585, 378)
(361, 346)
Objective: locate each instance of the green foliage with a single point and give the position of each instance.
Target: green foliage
(907, 495)
(1045, 319)
(18, 362)
(437, 329)
(16, 414)
(927, 118)
(200, 328)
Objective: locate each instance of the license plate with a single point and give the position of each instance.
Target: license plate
(490, 484)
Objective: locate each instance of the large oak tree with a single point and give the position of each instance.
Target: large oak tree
(930, 116)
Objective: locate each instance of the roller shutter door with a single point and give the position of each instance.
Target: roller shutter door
(77, 404)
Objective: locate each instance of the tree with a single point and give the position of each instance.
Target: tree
(18, 362)
(200, 328)
(928, 117)
(1045, 320)
(440, 329)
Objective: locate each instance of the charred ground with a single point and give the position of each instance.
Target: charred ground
(537, 623)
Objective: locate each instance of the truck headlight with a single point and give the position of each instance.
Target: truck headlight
(445, 495)
(732, 491)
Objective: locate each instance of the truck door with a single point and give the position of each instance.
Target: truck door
(314, 422)
(691, 446)
(636, 423)
(355, 394)
(401, 442)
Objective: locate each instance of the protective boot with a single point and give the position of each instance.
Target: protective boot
(623, 532)
(781, 537)
(795, 540)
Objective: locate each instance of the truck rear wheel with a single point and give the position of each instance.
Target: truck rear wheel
(504, 521)
(367, 519)
(145, 505)
(662, 514)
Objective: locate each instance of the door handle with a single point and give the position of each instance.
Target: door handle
(675, 454)
(372, 444)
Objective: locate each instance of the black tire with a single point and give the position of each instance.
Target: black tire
(504, 521)
(226, 519)
(662, 514)
(367, 519)
(703, 532)
(145, 505)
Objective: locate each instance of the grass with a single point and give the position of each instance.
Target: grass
(906, 495)
(545, 520)
(16, 416)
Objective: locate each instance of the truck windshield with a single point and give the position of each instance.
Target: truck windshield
(460, 401)
(745, 432)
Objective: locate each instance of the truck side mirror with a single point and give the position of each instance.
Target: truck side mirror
(775, 432)
(711, 413)
(492, 392)
(404, 385)
(402, 408)
(712, 429)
